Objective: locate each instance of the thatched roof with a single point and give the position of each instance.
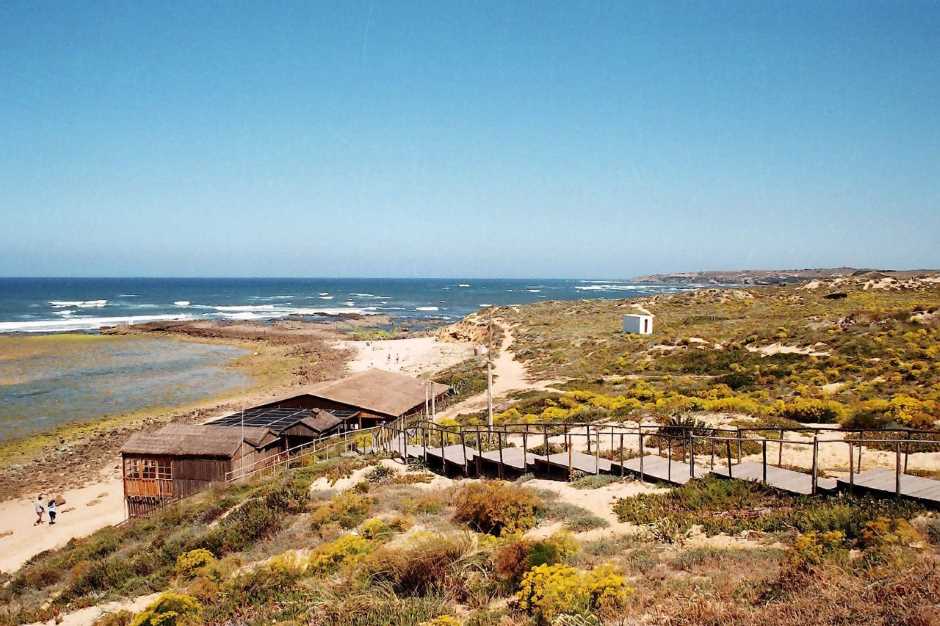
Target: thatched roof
(321, 421)
(378, 391)
(193, 440)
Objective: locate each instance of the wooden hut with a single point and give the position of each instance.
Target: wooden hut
(180, 459)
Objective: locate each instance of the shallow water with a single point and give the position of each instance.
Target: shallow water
(48, 381)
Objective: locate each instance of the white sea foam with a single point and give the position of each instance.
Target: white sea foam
(128, 295)
(486, 305)
(246, 307)
(324, 293)
(81, 304)
(267, 312)
(349, 303)
(463, 285)
(427, 308)
(610, 287)
(182, 303)
(326, 297)
(80, 323)
(534, 290)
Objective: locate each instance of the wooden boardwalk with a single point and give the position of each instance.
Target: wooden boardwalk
(658, 468)
(513, 458)
(777, 477)
(884, 481)
(579, 461)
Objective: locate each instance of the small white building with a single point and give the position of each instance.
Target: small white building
(640, 324)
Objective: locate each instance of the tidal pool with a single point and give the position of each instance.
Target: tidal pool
(50, 380)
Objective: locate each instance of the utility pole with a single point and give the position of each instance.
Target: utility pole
(489, 376)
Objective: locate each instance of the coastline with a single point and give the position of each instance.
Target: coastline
(80, 461)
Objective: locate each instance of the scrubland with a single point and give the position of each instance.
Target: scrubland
(395, 549)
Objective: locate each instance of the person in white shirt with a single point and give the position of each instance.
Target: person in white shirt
(40, 510)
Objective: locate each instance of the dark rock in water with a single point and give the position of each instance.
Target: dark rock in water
(836, 295)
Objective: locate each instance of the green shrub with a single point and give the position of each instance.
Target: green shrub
(189, 564)
(811, 411)
(170, 609)
(347, 510)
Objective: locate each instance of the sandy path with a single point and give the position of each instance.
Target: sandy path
(88, 615)
(508, 375)
(415, 355)
(85, 511)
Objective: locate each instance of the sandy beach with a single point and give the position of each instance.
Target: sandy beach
(99, 501)
(85, 510)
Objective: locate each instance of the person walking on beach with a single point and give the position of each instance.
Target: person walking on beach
(52, 511)
(40, 509)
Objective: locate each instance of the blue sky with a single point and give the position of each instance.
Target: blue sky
(486, 139)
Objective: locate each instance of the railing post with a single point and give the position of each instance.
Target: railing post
(466, 462)
(479, 451)
(587, 433)
(525, 449)
(764, 455)
(545, 436)
(691, 455)
(851, 467)
(897, 471)
(669, 463)
(641, 454)
(728, 450)
(780, 450)
(712, 460)
(815, 461)
(499, 440)
(621, 452)
(597, 453)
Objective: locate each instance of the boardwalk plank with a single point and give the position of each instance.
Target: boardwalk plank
(777, 477)
(884, 480)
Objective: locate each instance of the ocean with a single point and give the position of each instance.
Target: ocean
(49, 305)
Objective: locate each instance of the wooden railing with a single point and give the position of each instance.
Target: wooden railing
(677, 444)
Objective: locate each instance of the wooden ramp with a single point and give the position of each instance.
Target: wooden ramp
(658, 468)
(777, 477)
(587, 463)
(451, 454)
(513, 458)
(884, 482)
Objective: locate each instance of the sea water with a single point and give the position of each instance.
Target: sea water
(48, 305)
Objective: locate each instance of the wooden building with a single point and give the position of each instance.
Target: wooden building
(179, 459)
(294, 426)
(366, 398)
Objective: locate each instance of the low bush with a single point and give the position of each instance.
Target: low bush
(190, 564)
(170, 609)
(731, 506)
(429, 564)
(811, 411)
(344, 550)
(547, 591)
(347, 510)
(496, 507)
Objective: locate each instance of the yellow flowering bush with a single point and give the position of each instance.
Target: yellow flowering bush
(346, 549)
(375, 529)
(170, 609)
(190, 564)
(547, 591)
(442, 620)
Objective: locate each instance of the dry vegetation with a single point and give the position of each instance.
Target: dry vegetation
(788, 353)
(395, 551)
